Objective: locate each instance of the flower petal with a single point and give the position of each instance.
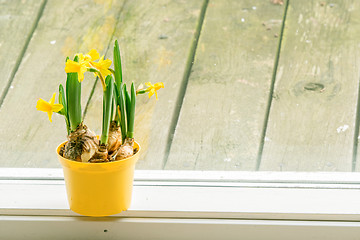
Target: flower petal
(43, 105)
(49, 115)
(151, 92)
(56, 107)
(102, 66)
(80, 76)
(93, 54)
(105, 72)
(72, 66)
(83, 69)
(158, 85)
(81, 57)
(106, 63)
(52, 100)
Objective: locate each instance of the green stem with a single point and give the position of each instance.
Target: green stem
(98, 73)
(73, 97)
(112, 71)
(64, 111)
(107, 105)
(141, 91)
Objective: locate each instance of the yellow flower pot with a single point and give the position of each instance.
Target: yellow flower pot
(99, 189)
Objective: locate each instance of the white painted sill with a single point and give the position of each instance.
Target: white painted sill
(315, 204)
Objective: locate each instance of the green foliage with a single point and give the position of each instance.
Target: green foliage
(107, 106)
(64, 111)
(73, 96)
(131, 116)
(117, 64)
(125, 102)
(122, 107)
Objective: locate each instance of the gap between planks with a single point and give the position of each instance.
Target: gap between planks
(184, 83)
(22, 53)
(356, 131)
(271, 91)
(106, 52)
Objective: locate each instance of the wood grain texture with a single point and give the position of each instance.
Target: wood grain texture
(155, 38)
(224, 107)
(17, 19)
(65, 28)
(312, 117)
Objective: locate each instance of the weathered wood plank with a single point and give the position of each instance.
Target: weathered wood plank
(65, 28)
(17, 19)
(312, 117)
(224, 107)
(155, 39)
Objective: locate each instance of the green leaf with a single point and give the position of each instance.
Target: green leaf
(127, 103)
(64, 111)
(62, 100)
(117, 64)
(116, 95)
(73, 97)
(107, 105)
(112, 107)
(122, 107)
(131, 117)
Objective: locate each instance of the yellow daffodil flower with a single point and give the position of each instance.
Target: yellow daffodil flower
(83, 64)
(102, 66)
(76, 67)
(152, 88)
(91, 56)
(48, 107)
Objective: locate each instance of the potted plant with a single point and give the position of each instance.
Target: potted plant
(98, 172)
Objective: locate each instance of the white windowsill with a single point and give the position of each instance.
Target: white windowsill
(183, 198)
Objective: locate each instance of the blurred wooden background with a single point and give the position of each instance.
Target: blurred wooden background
(251, 85)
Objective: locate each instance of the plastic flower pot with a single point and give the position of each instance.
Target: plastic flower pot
(99, 189)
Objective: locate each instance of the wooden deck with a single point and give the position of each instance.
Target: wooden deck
(249, 85)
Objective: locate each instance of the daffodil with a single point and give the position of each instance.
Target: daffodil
(82, 66)
(102, 66)
(76, 67)
(118, 118)
(91, 56)
(48, 107)
(152, 88)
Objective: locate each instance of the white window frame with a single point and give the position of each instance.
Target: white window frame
(188, 205)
